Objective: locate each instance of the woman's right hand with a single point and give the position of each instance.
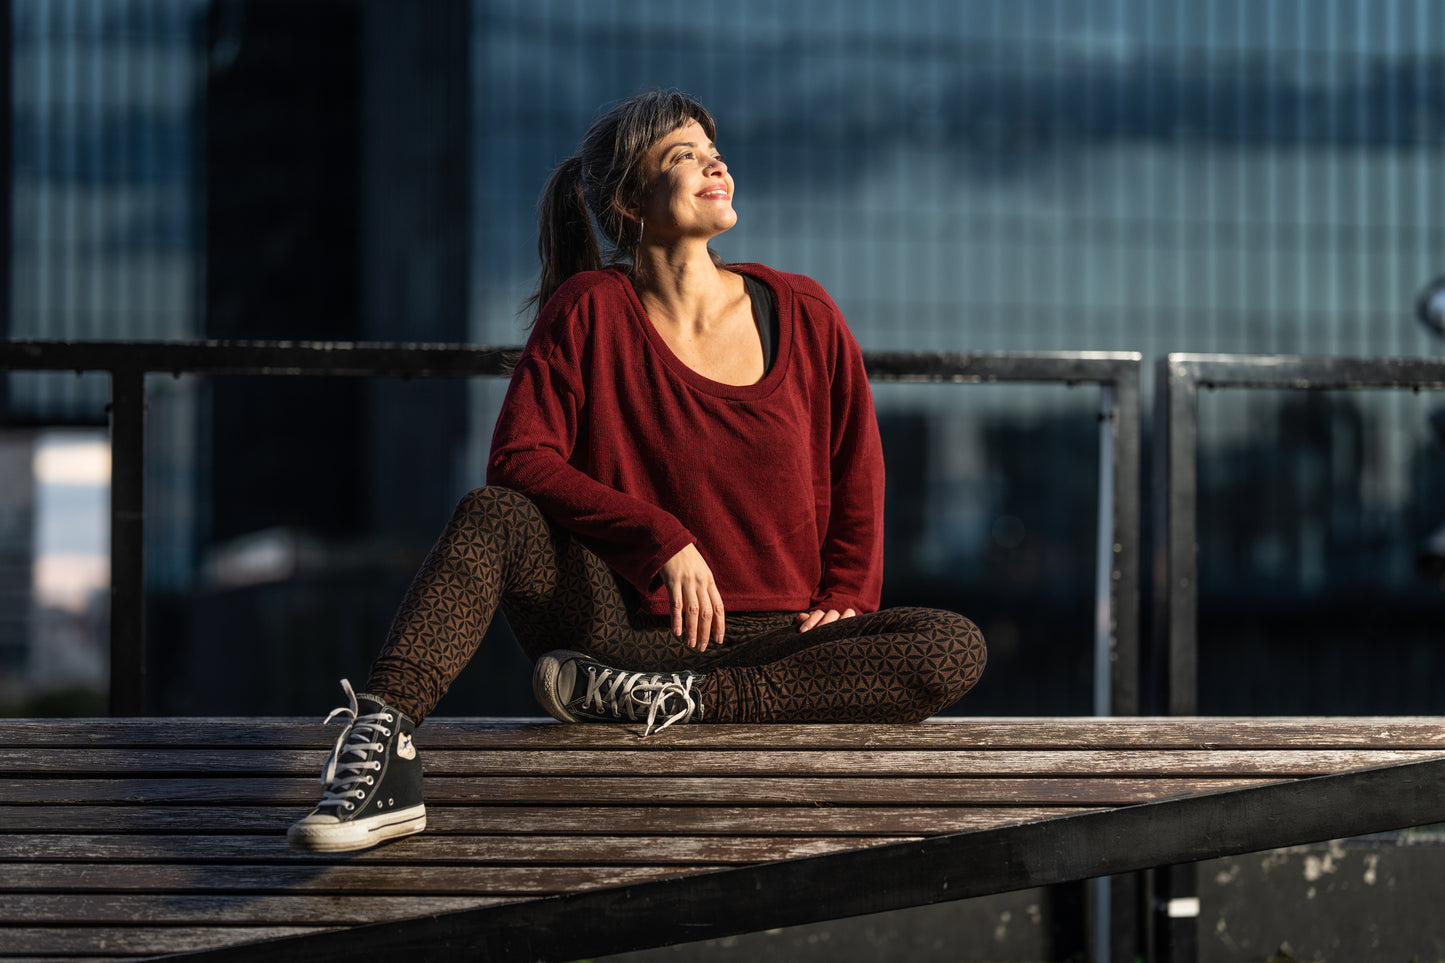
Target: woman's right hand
(697, 607)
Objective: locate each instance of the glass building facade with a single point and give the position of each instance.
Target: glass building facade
(1254, 176)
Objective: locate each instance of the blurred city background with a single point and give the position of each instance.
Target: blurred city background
(1257, 176)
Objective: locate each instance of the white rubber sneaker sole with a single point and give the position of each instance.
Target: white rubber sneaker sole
(327, 834)
(554, 672)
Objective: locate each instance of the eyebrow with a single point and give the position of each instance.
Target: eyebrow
(667, 151)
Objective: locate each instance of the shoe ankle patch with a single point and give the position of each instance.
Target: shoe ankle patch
(404, 747)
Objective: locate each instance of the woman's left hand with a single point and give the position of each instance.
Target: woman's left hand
(817, 617)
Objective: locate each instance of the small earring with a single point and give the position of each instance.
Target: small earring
(641, 226)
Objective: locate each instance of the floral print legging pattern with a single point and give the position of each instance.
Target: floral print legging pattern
(499, 550)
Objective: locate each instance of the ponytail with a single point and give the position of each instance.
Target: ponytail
(566, 241)
(600, 181)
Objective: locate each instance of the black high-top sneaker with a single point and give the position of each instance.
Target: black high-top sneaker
(371, 784)
(574, 687)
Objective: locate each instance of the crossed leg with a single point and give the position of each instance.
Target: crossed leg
(499, 551)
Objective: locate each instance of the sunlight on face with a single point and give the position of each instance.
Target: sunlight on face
(690, 190)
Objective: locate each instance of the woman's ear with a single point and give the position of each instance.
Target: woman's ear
(629, 212)
(630, 202)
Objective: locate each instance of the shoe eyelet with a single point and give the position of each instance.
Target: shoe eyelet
(371, 780)
(348, 806)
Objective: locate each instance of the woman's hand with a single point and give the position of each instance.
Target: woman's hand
(817, 617)
(697, 607)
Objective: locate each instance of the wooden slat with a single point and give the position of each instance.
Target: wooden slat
(169, 909)
(520, 820)
(1400, 732)
(906, 764)
(400, 880)
(474, 850)
(783, 791)
(109, 942)
(625, 790)
(486, 763)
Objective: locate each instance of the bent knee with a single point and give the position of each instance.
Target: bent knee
(492, 502)
(491, 513)
(955, 655)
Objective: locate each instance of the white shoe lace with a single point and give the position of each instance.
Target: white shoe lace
(341, 781)
(634, 692)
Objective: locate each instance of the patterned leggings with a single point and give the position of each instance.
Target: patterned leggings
(897, 665)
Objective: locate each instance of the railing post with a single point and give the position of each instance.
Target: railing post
(1124, 544)
(1106, 610)
(1176, 600)
(127, 540)
(1120, 917)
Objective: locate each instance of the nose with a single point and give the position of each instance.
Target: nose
(717, 166)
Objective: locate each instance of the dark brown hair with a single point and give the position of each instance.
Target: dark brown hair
(590, 193)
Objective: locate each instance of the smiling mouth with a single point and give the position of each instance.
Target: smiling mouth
(719, 194)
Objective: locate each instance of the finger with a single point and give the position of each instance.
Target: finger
(701, 630)
(813, 619)
(691, 616)
(676, 594)
(719, 615)
(849, 614)
(704, 624)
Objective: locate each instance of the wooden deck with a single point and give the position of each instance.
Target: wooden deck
(134, 838)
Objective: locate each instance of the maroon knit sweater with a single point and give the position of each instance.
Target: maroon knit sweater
(779, 483)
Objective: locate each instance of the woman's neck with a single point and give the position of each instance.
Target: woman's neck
(681, 285)
(703, 314)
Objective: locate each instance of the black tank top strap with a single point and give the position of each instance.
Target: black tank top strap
(765, 313)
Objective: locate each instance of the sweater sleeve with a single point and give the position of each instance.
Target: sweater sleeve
(852, 548)
(538, 430)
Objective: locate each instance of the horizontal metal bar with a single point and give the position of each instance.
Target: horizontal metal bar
(437, 360)
(941, 869)
(1292, 371)
(258, 357)
(976, 367)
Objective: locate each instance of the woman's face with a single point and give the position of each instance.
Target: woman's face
(689, 191)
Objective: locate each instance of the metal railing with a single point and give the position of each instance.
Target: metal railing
(1117, 375)
(1177, 380)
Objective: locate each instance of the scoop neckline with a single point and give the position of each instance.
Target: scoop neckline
(758, 389)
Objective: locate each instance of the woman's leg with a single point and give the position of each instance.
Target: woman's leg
(496, 546)
(497, 549)
(897, 665)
